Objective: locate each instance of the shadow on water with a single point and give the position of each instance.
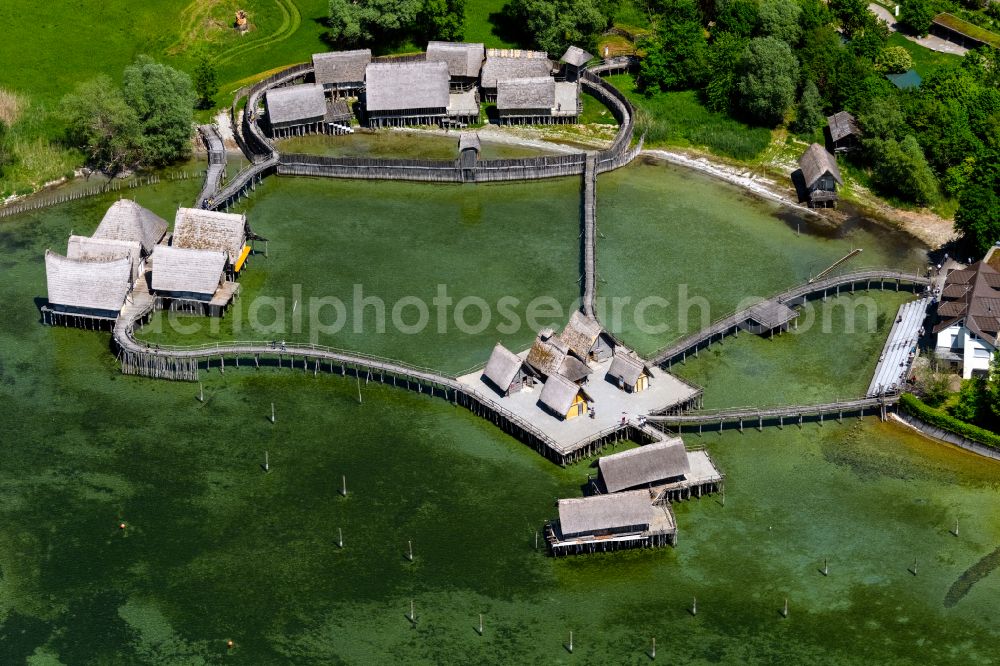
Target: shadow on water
(970, 577)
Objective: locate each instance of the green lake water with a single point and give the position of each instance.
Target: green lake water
(406, 145)
(216, 550)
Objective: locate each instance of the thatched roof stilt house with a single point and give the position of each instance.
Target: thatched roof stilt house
(611, 522)
(125, 220)
(507, 64)
(464, 60)
(341, 73)
(303, 109)
(563, 398)
(197, 229)
(86, 293)
(820, 176)
(192, 280)
(628, 371)
(506, 371)
(537, 101)
(574, 61)
(406, 93)
(845, 135)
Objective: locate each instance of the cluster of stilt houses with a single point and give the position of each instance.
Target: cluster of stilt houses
(193, 269)
(629, 501)
(444, 85)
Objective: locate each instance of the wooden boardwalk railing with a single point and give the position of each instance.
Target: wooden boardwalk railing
(796, 295)
(589, 234)
(216, 163)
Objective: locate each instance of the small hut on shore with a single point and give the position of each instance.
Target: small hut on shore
(125, 220)
(192, 280)
(197, 229)
(302, 109)
(406, 93)
(536, 101)
(574, 60)
(610, 522)
(86, 293)
(507, 64)
(506, 371)
(464, 60)
(468, 153)
(845, 135)
(563, 398)
(820, 176)
(628, 371)
(341, 73)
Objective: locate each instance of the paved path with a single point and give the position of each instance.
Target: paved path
(931, 42)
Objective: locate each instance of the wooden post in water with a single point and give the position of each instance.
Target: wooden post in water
(267, 463)
(784, 611)
(272, 412)
(652, 652)
(826, 567)
(570, 645)
(409, 550)
(536, 539)
(480, 624)
(914, 569)
(955, 531)
(343, 485)
(201, 392)
(413, 617)
(694, 606)
(357, 376)
(340, 538)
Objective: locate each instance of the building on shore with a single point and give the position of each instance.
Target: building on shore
(406, 93)
(666, 468)
(469, 147)
(197, 229)
(507, 372)
(563, 398)
(303, 109)
(968, 318)
(539, 100)
(628, 371)
(603, 523)
(341, 73)
(464, 60)
(507, 64)
(574, 60)
(820, 176)
(86, 293)
(843, 131)
(190, 280)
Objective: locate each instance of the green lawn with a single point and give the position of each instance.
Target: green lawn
(925, 61)
(680, 119)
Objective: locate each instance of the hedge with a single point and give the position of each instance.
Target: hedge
(916, 407)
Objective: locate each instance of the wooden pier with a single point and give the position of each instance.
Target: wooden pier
(589, 235)
(216, 171)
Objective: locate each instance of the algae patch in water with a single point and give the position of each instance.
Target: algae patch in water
(970, 577)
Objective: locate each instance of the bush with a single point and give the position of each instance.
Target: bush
(912, 405)
(893, 60)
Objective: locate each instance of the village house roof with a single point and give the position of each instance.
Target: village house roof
(815, 162)
(582, 515)
(290, 104)
(644, 465)
(341, 66)
(469, 141)
(558, 394)
(178, 269)
(524, 65)
(547, 353)
(627, 367)
(83, 248)
(463, 59)
(972, 295)
(89, 285)
(196, 229)
(537, 92)
(406, 85)
(574, 369)
(576, 56)
(580, 334)
(125, 220)
(842, 124)
(502, 367)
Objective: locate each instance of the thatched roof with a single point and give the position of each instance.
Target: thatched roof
(87, 285)
(537, 92)
(526, 65)
(196, 229)
(469, 141)
(576, 56)
(842, 124)
(547, 353)
(644, 465)
(502, 367)
(178, 269)
(463, 59)
(574, 369)
(406, 85)
(972, 295)
(582, 515)
(580, 334)
(295, 104)
(339, 67)
(627, 367)
(126, 220)
(83, 248)
(558, 394)
(815, 162)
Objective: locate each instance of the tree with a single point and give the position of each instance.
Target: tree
(809, 115)
(893, 60)
(552, 25)
(978, 215)
(354, 21)
(869, 37)
(206, 83)
(723, 59)
(766, 79)
(738, 17)
(917, 15)
(676, 54)
(442, 19)
(163, 100)
(852, 14)
(900, 168)
(103, 124)
(815, 14)
(780, 19)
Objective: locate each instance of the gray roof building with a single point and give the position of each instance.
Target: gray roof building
(559, 394)
(295, 105)
(626, 367)
(535, 93)
(339, 69)
(503, 367)
(612, 513)
(185, 271)
(125, 220)
(576, 57)
(815, 163)
(501, 66)
(464, 60)
(842, 124)
(197, 229)
(406, 85)
(83, 248)
(87, 287)
(580, 334)
(645, 465)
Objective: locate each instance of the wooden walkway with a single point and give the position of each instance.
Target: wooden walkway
(216, 164)
(589, 235)
(882, 279)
